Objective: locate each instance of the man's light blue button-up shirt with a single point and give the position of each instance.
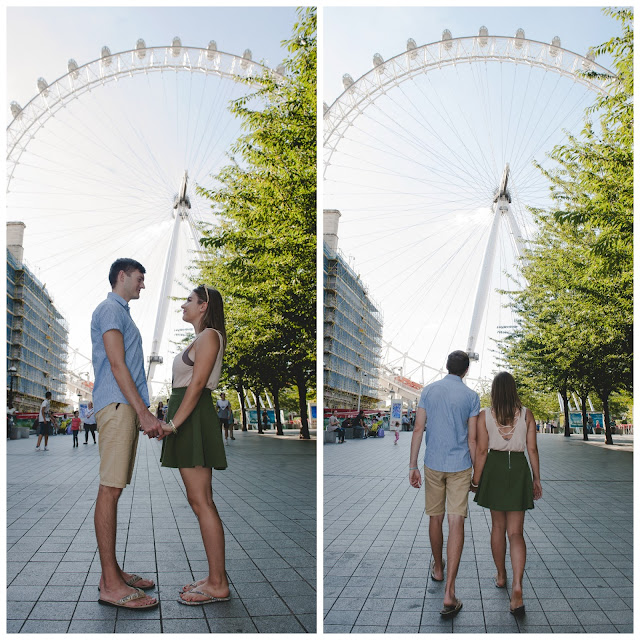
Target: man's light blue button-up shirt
(113, 313)
(449, 404)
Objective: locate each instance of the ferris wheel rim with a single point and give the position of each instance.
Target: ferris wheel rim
(32, 118)
(368, 97)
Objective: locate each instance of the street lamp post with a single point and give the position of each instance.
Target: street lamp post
(79, 398)
(362, 373)
(12, 374)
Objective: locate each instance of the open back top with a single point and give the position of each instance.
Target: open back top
(509, 437)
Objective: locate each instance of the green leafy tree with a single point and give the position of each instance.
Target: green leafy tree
(263, 250)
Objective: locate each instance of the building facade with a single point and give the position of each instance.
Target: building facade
(352, 330)
(37, 334)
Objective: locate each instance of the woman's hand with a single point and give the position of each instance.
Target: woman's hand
(166, 430)
(537, 490)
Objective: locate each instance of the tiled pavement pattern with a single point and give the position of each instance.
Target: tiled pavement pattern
(267, 502)
(579, 539)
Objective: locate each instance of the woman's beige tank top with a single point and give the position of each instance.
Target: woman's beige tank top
(183, 367)
(518, 440)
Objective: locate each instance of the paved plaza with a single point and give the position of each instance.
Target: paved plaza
(579, 572)
(267, 502)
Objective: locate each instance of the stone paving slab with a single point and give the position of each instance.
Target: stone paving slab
(579, 572)
(266, 499)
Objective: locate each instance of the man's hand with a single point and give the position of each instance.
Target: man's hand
(151, 425)
(415, 478)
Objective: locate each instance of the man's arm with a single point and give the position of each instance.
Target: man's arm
(415, 477)
(114, 347)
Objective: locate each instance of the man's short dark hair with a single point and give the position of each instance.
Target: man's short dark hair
(457, 363)
(128, 265)
(47, 394)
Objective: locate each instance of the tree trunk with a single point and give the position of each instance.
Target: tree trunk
(301, 383)
(275, 392)
(243, 409)
(565, 402)
(607, 418)
(258, 411)
(583, 406)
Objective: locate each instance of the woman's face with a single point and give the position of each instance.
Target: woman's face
(193, 309)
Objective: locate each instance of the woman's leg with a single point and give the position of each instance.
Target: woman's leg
(93, 433)
(499, 544)
(518, 552)
(198, 484)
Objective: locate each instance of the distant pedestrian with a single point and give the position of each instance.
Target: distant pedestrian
(502, 478)
(89, 424)
(75, 427)
(265, 421)
(160, 411)
(44, 421)
(396, 429)
(225, 415)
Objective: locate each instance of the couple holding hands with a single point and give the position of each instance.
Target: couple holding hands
(482, 452)
(191, 440)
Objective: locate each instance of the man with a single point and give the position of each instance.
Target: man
(121, 402)
(449, 409)
(44, 421)
(90, 424)
(224, 415)
(334, 425)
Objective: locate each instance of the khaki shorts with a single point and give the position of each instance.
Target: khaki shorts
(118, 428)
(452, 486)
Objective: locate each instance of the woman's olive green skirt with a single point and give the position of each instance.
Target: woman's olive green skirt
(198, 442)
(506, 483)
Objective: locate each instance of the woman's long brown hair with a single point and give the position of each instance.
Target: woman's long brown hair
(214, 316)
(504, 398)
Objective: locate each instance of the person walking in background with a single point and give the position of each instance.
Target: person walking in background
(75, 427)
(121, 406)
(89, 424)
(193, 441)
(160, 411)
(225, 416)
(396, 429)
(449, 410)
(502, 478)
(44, 421)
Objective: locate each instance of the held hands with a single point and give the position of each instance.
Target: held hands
(166, 430)
(150, 425)
(537, 490)
(415, 478)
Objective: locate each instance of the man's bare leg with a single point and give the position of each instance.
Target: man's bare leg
(112, 584)
(436, 540)
(455, 543)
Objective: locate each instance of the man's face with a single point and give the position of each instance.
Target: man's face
(133, 284)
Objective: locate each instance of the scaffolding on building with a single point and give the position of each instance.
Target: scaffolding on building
(37, 339)
(352, 336)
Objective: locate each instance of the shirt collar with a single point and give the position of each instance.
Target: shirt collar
(119, 299)
(451, 376)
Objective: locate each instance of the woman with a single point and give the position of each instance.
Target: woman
(502, 478)
(160, 411)
(193, 436)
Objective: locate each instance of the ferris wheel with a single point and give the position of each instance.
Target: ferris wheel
(104, 163)
(429, 157)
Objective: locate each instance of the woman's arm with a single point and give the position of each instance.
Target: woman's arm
(482, 449)
(205, 351)
(534, 459)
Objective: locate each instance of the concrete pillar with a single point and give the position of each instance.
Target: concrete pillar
(330, 234)
(15, 240)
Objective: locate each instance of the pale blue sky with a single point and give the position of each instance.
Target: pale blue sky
(353, 34)
(40, 40)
